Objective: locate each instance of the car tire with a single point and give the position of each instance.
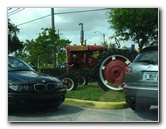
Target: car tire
(132, 107)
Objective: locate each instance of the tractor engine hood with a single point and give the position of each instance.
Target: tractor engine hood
(97, 48)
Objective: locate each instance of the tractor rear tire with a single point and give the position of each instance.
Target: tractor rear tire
(111, 69)
(69, 82)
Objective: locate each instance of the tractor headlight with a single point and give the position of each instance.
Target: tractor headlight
(74, 56)
(16, 87)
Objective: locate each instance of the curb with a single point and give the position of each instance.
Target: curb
(96, 104)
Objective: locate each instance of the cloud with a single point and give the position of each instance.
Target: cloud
(66, 22)
(90, 19)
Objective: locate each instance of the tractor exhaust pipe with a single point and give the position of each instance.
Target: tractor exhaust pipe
(81, 34)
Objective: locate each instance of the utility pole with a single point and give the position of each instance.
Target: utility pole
(54, 46)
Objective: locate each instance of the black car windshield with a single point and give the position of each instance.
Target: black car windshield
(15, 64)
(150, 57)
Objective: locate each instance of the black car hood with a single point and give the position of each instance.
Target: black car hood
(29, 76)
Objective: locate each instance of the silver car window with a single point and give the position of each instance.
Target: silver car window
(148, 57)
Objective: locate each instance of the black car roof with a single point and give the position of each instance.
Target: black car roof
(150, 48)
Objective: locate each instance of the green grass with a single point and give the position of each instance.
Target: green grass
(95, 93)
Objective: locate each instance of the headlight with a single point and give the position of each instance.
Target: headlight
(59, 84)
(18, 87)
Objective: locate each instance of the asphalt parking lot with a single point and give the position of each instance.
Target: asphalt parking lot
(70, 113)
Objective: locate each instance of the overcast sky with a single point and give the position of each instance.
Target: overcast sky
(66, 23)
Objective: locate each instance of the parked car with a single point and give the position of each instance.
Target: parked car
(141, 80)
(27, 88)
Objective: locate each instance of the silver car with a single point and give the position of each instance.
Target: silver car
(141, 80)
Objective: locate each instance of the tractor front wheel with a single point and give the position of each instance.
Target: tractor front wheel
(82, 78)
(69, 82)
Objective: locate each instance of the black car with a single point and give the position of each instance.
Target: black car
(27, 88)
(141, 80)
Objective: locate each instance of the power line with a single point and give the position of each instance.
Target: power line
(83, 11)
(9, 8)
(34, 20)
(15, 11)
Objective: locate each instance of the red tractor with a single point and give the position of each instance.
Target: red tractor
(109, 66)
(109, 63)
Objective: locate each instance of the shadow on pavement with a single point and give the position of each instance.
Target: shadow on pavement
(45, 112)
(151, 114)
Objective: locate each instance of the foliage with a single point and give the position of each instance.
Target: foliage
(61, 50)
(41, 50)
(105, 44)
(14, 44)
(137, 24)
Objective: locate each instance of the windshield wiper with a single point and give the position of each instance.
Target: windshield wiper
(147, 61)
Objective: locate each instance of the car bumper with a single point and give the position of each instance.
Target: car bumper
(35, 99)
(148, 95)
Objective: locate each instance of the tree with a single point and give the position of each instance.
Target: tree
(138, 24)
(14, 44)
(105, 44)
(41, 50)
(61, 49)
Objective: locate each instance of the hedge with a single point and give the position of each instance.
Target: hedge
(56, 72)
(53, 71)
